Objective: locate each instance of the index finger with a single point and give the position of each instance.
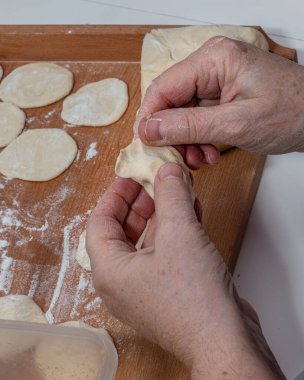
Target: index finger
(106, 233)
(179, 84)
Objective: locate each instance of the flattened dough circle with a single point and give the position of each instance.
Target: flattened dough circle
(18, 308)
(12, 121)
(96, 104)
(58, 359)
(38, 155)
(36, 85)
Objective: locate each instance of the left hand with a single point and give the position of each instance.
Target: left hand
(176, 291)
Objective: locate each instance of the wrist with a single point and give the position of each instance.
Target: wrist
(232, 349)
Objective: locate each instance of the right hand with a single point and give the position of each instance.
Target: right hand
(226, 92)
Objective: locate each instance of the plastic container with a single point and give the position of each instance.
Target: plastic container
(34, 351)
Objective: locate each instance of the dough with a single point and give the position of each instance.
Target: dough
(141, 163)
(36, 85)
(163, 48)
(18, 308)
(59, 360)
(12, 121)
(81, 255)
(83, 325)
(38, 155)
(96, 104)
(1, 72)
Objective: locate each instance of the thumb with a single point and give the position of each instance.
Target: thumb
(219, 124)
(173, 196)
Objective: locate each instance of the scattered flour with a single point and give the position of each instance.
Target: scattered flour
(34, 284)
(9, 218)
(65, 262)
(6, 274)
(49, 114)
(29, 120)
(67, 125)
(82, 285)
(91, 152)
(3, 243)
(93, 304)
(77, 156)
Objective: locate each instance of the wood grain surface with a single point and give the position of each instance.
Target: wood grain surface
(41, 222)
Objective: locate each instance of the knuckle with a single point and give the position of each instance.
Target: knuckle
(189, 123)
(224, 43)
(216, 40)
(153, 88)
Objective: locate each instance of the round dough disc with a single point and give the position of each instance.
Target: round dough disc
(38, 155)
(18, 308)
(36, 85)
(96, 104)
(1, 72)
(12, 121)
(82, 256)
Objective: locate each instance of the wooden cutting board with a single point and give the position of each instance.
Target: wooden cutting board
(40, 223)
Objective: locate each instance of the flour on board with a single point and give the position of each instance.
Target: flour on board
(91, 152)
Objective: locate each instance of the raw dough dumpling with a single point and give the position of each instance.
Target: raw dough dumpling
(141, 163)
(36, 85)
(12, 121)
(163, 48)
(1, 72)
(59, 360)
(82, 256)
(38, 155)
(18, 308)
(96, 104)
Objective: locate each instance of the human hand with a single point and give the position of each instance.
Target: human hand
(176, 290)
(227, 92)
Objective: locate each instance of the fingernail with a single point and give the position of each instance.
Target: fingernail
(170, 171)
(207, 156)
(152, 130)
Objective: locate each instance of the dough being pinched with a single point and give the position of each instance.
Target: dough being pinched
(141, 163)
(96, 104)
(36, 84)
(162, 48)
(12, 121)
(38, 155)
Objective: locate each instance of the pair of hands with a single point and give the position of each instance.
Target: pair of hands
(176, 290)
